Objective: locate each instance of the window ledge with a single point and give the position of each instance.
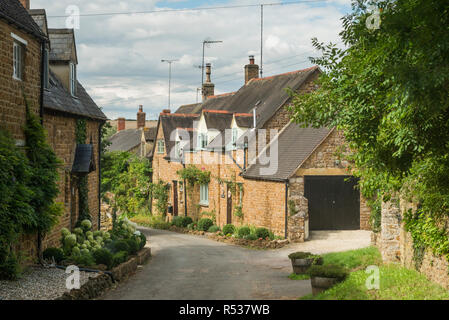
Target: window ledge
(204, 204)
(17, 79)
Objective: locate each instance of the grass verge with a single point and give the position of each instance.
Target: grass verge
(396, 282)
(295, 276)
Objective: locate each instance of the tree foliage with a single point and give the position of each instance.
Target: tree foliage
(128, 178)
(388, 90)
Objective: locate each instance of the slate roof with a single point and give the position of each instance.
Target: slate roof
(150, 133)
(187, 108)
(125, 140)
(40, 17)
(217, 120)
(218, 102)
(13, 12)
(62, 41)
(57, 98)
(295, 145)
(244, 120)
(171, 122)
(84, 161)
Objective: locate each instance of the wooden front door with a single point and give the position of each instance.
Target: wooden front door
(175, 198)
(229, 206)
(334, 202)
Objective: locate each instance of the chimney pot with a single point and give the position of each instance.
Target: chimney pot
(251, 60)
(208, 87)
(141, 118)
(25, 4)
(166, 111)
(251, 70)
(121, 122)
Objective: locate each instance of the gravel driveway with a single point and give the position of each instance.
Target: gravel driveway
(193, 267)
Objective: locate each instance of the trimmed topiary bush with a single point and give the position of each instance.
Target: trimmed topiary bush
(214, 229)
(143, 240)
(119, 257)
(228, 229)
(328, 271)
(204, 224)
(251, 237)
(178, 222)
(103, 256)
(243, 232)
(55, 253)
(121, 245)
(262, 233)
(133, 246)
(186, 222)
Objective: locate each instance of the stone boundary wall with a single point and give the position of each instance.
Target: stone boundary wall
(97, 286)
(396, 245)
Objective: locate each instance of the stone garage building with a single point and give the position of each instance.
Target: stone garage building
(311, 190)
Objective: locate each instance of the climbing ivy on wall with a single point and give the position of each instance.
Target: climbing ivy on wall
(28, 187)
(83, 181)
(193, 175)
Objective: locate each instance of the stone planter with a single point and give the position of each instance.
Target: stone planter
(300, 266)
(320, 284)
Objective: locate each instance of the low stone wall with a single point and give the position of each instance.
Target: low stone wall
(96, 286)
(396, 245)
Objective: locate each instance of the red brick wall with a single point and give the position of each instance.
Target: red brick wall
(12, 104)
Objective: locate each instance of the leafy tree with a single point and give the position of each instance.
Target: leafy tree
(388, 90)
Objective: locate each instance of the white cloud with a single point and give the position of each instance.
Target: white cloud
(120, 56)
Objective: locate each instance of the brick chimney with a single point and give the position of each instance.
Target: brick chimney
(26, 4)
(251, 70)
(121, 124)
(141, 118)
(208, 86)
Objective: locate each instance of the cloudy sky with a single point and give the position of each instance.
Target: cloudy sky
(120, 55)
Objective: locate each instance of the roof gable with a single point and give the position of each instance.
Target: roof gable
(14, 12)
(294, 145)
(63, 45)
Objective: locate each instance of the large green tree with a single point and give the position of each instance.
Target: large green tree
(388, 90)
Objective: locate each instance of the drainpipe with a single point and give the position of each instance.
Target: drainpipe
(286, 209)
(100, 127)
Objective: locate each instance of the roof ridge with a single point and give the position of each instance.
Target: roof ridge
(192, 115)
(217, 111)
(221, 95)
(285, 74)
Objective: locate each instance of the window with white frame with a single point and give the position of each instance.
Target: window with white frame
(204, 194)
(160, 146)
(73, 80)
(18, 60)
(202, 141)
(178, 149)
(234, 136)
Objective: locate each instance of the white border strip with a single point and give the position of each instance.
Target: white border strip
(16, 37)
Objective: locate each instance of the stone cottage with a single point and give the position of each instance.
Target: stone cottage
(238, 193)
(66, 109)
(139, 140)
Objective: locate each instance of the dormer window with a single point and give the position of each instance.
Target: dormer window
(234, 136)
(73, 80)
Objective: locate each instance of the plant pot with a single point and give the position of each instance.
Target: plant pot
(300, 266)
(320, 284)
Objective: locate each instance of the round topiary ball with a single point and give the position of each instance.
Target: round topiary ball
(228, 229)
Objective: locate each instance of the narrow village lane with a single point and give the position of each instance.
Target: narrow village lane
(191, 267)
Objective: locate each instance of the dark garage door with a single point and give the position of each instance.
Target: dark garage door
(334, 203)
